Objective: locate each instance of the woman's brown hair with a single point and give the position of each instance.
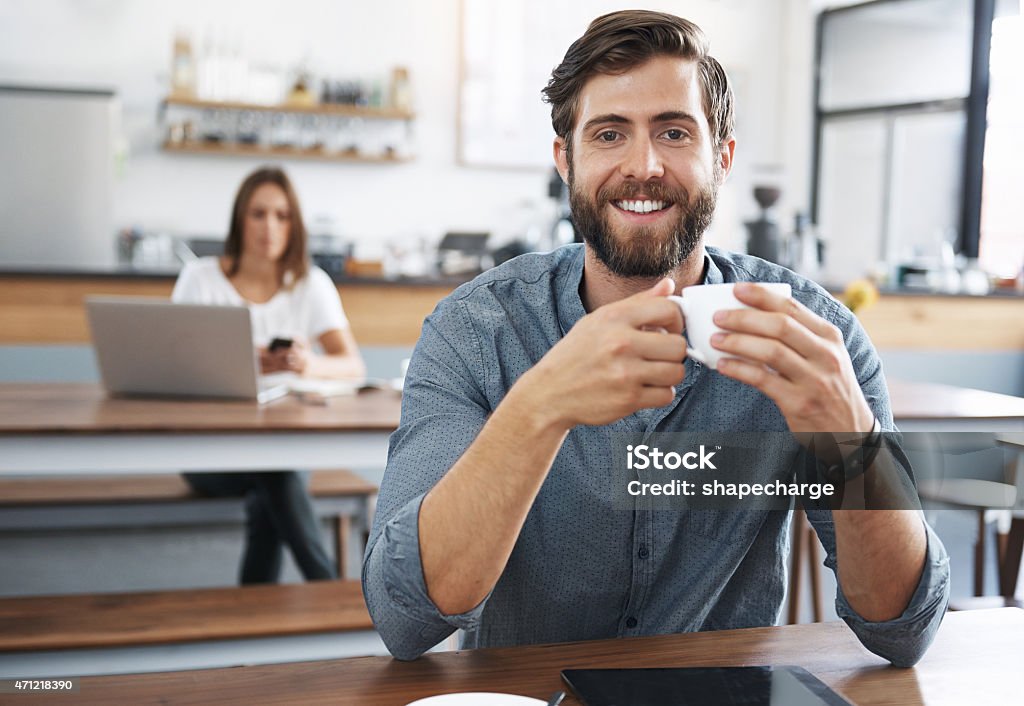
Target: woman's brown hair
(294, 263)
(619, 41)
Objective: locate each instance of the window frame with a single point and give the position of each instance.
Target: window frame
(974, 105)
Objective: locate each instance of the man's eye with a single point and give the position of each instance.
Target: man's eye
(676, 134)
(608, 136)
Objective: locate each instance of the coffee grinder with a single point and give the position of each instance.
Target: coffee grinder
(763, 237)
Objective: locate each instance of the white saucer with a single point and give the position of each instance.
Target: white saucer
(477, 699)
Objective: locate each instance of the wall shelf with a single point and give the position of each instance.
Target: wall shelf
(235, 150)
(331, 109)
(344, 133)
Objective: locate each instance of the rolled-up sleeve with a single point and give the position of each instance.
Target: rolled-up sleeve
(904, 640)
(443, 410)
(396, 593)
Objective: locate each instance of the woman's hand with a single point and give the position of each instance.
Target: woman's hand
(295, 358)
(268, 361)
(340, 361)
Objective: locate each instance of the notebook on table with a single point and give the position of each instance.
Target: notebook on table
(156, 348)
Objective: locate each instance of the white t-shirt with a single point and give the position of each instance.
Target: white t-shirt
(308, 310)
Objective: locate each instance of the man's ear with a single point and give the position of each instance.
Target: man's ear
(561, 158)
(725, 156)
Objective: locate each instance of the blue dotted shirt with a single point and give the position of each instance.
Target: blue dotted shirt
(585, 567)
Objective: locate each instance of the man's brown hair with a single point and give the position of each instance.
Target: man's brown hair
(619, 41)
(293, 264)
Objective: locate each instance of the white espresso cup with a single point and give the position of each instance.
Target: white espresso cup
(699, 304)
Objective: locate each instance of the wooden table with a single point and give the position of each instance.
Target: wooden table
(72, 428)
(975, 660)
(922, 406)
(62, 428)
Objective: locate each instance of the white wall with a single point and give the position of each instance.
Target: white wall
(127, 45)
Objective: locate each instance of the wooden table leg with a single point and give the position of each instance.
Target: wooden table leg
(342, 525)
(795, 563)
(979, 556)
(814, 572)
(1009, 568)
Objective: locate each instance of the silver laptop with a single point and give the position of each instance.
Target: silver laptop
(152, 347)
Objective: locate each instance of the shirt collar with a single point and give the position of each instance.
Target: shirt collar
(570, 306)
(712, 275)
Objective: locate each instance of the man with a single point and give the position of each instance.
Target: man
(495, 514)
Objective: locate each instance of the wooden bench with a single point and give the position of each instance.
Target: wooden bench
(40, 503)
(165, 617)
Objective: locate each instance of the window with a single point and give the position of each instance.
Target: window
(1001, 246)
(900, 103)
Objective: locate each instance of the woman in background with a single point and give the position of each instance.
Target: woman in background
(265, 267)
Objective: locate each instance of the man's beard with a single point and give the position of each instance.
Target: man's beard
(642, 251)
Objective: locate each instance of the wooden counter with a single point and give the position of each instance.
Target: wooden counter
(936, 322)
(37, 309)
(42, 309)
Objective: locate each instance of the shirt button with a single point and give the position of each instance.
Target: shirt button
(644, 551)
(631, 622)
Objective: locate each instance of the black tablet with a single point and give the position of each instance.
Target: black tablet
(705, 686)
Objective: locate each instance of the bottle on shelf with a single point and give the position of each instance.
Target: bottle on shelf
(301, 95)
(401, 89)
(183, 67)
(209, 69)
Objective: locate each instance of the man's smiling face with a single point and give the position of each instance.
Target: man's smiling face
(643, 170)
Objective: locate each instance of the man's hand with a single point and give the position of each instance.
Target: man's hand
(615, 361)
(796, 358)
(605, 368)
(800, 361)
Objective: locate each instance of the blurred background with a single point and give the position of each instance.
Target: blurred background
(881, 141)
(889, 130)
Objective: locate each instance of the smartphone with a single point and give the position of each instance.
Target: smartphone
(279, 344)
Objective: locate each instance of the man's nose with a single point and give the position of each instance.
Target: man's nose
(643, 161)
